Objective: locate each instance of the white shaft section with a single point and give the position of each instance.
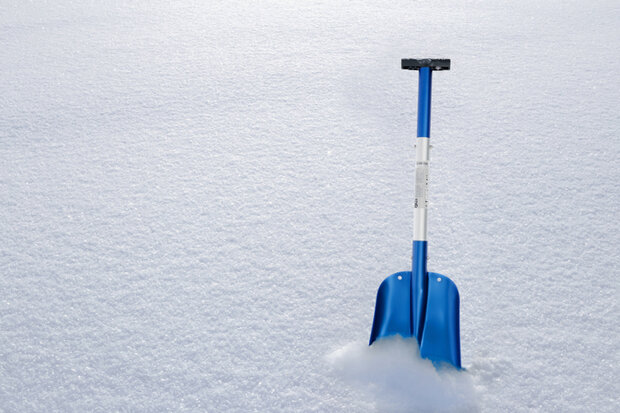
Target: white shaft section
(421, 189)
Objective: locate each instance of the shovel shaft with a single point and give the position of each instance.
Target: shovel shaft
(419, 279)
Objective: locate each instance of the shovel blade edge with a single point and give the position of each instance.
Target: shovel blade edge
(393, 307)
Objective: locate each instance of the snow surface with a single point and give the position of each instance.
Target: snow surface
(199, 201)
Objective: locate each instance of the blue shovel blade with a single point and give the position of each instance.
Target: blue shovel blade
(440, 339)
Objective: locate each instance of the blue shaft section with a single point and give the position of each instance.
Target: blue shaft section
(424, 102)
(419, 288)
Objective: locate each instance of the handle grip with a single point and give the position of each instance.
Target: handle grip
(434, 64)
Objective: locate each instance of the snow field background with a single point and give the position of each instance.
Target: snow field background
(199, 202)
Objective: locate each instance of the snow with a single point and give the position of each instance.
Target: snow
(199, 202)
(392, 372)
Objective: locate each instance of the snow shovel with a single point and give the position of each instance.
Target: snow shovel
(417, 303)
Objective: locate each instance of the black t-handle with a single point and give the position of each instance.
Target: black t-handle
(434, 64)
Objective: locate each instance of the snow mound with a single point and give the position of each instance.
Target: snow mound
(393, 374)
